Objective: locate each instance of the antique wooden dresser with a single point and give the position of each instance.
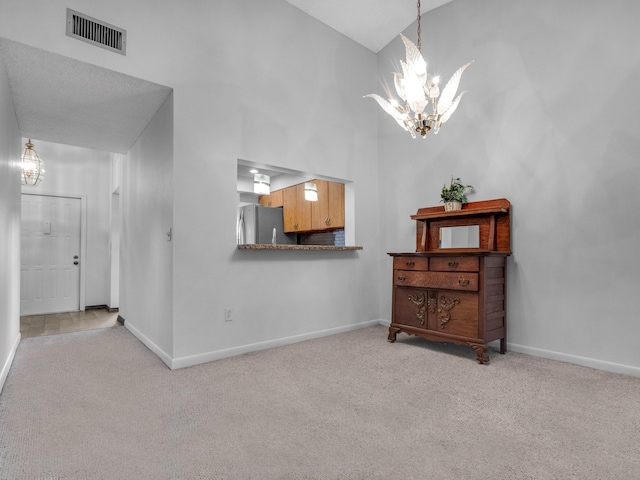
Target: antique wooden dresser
(453, 287)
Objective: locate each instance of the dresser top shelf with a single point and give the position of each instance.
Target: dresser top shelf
(487, 207)
(451, 252)
(492, 218)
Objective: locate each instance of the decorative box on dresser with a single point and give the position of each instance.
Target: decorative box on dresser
(455, 295)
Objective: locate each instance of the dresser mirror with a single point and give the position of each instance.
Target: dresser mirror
(467, 236)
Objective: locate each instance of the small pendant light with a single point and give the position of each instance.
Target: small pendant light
(32, 166)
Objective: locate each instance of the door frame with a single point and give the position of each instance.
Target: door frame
(83, 234)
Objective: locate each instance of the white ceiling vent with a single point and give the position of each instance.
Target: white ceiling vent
(90, 30)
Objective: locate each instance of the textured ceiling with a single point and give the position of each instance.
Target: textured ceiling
(371, 23)
(62, 100)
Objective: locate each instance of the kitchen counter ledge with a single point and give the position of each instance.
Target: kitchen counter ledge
(296, 247)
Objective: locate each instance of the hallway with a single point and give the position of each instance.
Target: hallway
(53, 324)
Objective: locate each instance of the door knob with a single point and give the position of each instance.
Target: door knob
(76, 262)
(75, 257)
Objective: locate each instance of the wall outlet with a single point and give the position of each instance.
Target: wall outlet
(227, 315)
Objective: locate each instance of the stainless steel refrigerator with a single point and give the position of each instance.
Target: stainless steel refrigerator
(258, 224)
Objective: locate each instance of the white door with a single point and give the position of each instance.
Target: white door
(50, 257)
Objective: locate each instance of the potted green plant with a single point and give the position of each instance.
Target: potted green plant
(454, 196)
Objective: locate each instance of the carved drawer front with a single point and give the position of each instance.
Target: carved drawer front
(437, 280)
(410, 263)
(454, 264)
(412, 306)
(455, 313)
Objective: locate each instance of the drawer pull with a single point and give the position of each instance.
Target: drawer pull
(410, 263)
(402, 278)
(463, 282)
(453, 264)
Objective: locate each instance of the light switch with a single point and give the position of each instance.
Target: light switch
(47, 228)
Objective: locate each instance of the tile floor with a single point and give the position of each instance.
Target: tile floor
(55, 323)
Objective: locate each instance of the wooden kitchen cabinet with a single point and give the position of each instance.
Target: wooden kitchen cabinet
(455, 295)
(296, 210)
(274, 199)
(302, 215)
(328, 212)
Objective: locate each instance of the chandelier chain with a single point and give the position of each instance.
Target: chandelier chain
(419, 31)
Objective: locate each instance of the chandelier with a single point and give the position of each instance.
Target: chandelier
(32, 166)
(417, 89)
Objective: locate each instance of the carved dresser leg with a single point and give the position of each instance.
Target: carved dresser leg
(392, 334)
(481, 354)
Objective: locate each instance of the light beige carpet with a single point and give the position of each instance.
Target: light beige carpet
(99, 405)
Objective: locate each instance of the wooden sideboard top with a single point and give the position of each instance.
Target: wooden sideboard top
(498, 206)
(269, 246)
(452, 252)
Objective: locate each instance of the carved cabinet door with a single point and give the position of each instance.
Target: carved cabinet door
(411, 306)
(454, 312)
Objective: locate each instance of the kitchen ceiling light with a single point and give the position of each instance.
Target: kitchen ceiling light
(311, 192)
(32, 166)
(417, 88)
(261, 184)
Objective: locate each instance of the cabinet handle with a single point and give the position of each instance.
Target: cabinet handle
(453, 264)
(410, 263)
(401, 278)
(295, 226)
(327, 221)
(463, 282)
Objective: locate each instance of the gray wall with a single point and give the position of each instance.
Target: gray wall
(274, 86)
(551, 123)
(146, 262)
(9, 228)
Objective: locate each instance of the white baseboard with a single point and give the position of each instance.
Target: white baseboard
(564, 357)
(575, 359)
(149, 344)
(191, 360)
(7, 365)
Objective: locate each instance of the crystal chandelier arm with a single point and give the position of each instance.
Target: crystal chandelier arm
(449, 91)
(447, 114)
(413, 89)
(397, 113)
(415, 60)
(398, 81)
(433, 89)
